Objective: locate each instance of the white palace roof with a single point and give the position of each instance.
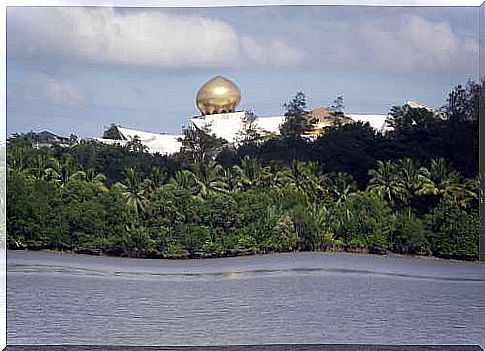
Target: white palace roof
(378, 122)
(228, 125)
(164, 144)
(224, 125)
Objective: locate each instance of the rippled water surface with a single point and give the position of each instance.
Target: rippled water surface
(283, 298)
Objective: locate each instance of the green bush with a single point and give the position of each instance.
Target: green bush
(284, 236)
(456, 232)
(363, 221)
(246, 244)
(192, 237)
(306, 227)
(210, 248)
(176, 250)
(410, 235)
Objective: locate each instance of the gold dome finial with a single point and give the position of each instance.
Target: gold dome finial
(218, 95)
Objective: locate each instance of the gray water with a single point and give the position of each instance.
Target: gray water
(282, 298)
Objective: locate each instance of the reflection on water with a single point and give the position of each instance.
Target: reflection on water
(285, 298)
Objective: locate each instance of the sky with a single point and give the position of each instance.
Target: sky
(78, 69)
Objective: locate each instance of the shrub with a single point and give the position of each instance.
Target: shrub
(456, 232)
(246, 244)
(410, 235)
(363, 220)
(176, 250)
(284, 236)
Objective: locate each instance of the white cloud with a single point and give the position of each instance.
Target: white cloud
(415, 44)
(56, 91)
(275, 52)
(155, 38)
(146, 38)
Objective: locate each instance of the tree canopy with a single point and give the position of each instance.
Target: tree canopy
(414, 190)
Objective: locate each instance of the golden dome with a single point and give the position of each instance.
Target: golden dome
(218, 95)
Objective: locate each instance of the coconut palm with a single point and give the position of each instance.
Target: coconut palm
(411, 178)
(298, 174)
(207, 178)
(135, 145)
(17, 160)
(233, 179)
(303, 176)
(157, 178)
(249, 173)
(443, 182)
(183, 179)
(471, 192)
(383, 181)
(133, 191)
(342, 186)
(62, 171)
(39, 168)
(91, 176)
(269, 177)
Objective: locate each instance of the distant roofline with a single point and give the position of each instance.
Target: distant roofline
(282, 115)
(215, 114)
(146, 131)
(36, 133)
(43, 131)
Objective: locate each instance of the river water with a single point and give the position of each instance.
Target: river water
(57, 298)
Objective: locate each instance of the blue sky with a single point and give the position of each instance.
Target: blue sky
(79, 69)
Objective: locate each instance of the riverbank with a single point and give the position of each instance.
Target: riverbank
(241, 254)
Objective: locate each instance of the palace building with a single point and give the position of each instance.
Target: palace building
(217, 101)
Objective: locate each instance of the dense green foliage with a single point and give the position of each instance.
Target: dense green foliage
(414, 190)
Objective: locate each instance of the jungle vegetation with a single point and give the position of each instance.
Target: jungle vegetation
(414, 190)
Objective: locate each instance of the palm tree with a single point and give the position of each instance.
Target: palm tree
(135, 145)
(39, 169)
(17, 160)
(443, 182)
(297, 174)
(157, 178)
(471, 192)
(183, 179)
(412, 178)
(92, 177)
(383, 181)
(206, 178)
(304, 176)
(133, 191)
(233, 179)
(268, 177)
(342, 186)
(249, 173)
(63, 171)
